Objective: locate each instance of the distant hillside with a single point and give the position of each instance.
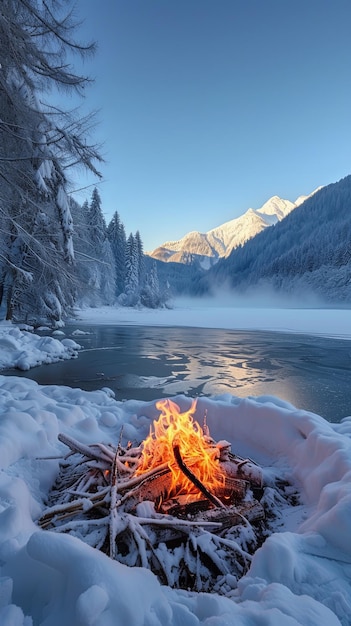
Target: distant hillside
(176, 278)
(219, 242)
(309, 252)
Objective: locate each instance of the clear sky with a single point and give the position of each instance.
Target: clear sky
(209, 107)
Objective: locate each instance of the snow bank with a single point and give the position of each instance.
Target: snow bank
(301, 574)
(23, 350)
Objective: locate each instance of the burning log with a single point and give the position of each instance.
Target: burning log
(189, 474)
(178, 491)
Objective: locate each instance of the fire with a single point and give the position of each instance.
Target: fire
(174, 428)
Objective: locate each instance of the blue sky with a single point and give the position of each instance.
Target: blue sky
(209, 107)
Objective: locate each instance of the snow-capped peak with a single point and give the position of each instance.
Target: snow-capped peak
(221, 240)
(277, 206)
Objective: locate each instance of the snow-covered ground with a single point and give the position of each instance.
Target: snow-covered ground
(313, 321)
(24, 349)
(300, 576)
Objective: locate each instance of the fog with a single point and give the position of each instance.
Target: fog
(263, 296)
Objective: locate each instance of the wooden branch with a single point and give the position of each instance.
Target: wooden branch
(113, 506)
(138, 480)
(76, 446)
(72, 508)
(173, 522)
(198, 484)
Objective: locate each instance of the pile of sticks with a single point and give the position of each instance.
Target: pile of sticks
(187, 542)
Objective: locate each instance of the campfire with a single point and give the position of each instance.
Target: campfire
(179, 503)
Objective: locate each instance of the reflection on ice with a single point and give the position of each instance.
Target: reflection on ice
(145, 363)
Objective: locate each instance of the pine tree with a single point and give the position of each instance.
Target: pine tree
(96, 260)
(117, 238)
(140, 257)
(96, 221)
(132, 270)
(150, 294)
(108, 274)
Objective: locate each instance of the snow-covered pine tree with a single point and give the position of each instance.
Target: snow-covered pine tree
(95, 259)
(39, 144)
(96, 220)
(150, 293)
(140, 257)
(86, 291)
(117, 237)
(81, 247)
(108, 274)
(131, 293)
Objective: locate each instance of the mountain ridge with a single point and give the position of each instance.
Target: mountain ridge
(219, 242)
(307, 256)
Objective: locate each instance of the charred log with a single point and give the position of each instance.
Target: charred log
(196, 481)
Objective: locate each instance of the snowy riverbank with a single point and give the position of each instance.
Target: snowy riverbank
(24, 349)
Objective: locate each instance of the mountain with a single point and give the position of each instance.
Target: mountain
(219, 242)
(306, 254)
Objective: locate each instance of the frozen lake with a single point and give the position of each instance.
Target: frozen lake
(146, 363)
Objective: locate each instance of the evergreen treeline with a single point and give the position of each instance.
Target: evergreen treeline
(109, 266)
(308, 252)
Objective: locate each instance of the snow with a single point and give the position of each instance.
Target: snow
(43, 174)
(66, 221)
(312, 321)
(56, 579)
(23, 349)
(300, 576)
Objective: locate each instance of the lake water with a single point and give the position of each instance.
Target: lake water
(146, 363)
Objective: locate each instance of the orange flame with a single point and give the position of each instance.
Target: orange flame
(174, 427)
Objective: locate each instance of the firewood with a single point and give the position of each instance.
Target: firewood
(76, 446)
(233, 515)
(153, 487)
(113, 505)
(244, 469)
(181, 507)
(186, 532)
(233, 490)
